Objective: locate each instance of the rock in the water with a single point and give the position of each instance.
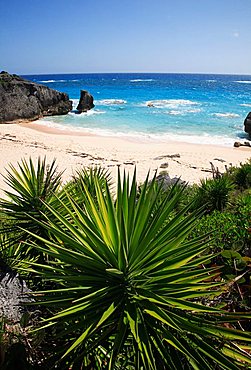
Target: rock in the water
(21, 99)
(247, 124)
(85, 102)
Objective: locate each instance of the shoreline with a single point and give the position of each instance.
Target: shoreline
(189, 161)
(34, 125)
(37, 125)
(51, 130)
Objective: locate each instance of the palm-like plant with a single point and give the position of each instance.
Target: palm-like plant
(30, 186)
(214, 193)
(83, 179)
(242, 175)
(129, 284)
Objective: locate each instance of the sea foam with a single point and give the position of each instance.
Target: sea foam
(226, 115)
(142, 136)
(245, 105)
(50, 81)
(89, 113)
(111, 101)
(183, 112)
(244, 82)
(169, 103)
(142, 80)
(47, 81)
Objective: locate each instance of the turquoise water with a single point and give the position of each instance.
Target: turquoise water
(192, 108)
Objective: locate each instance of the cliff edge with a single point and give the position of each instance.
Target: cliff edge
(21, 99)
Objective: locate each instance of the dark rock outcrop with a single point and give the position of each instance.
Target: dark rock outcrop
(85, 102)
(237, 144)
(247, 124)
(21, 99)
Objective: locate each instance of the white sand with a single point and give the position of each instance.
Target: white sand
(73, 151)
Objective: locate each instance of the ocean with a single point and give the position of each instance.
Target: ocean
(192, 108)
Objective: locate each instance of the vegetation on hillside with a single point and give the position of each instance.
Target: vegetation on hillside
(148, 277)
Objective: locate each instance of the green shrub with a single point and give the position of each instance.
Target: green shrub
(130, 281)
(242, 175)
(213, 194)
(30, 186)
(229, 239)
(227, 231)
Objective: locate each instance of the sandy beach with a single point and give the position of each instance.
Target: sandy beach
(189, 161)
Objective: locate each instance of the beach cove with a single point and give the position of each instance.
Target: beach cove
(73, 150)
(182, 124)
(192, 108)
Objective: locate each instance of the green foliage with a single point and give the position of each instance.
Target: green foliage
(129, 281)
(229, 238)
(213, 194)
(10, 253)
(31, 185)
(242, 175)
(226, 231)
(85, 179)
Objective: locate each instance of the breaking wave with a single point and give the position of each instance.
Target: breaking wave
(226, 115)
(47, 81)
(89, 113)
(244, 82)
(111, 101)
(50, 81)
(182, 112)
(169, 103)
(205, 138)
(245, 105)
(142, 80)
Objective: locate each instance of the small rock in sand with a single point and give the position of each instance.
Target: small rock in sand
(164, 165)
(219, 159)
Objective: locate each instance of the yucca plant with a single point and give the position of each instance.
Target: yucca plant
(86, 178)
(83, 179)
(242, 175)
(9, 253)
(213, 194)
(30, 185)
(130, 285)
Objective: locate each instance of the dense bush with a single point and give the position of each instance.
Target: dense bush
(213, 194)
(241, 175)
(133, 279)
(228, 230)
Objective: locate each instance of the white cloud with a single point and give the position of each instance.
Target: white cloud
(236, 34)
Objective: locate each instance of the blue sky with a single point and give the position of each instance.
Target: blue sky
(59, 36)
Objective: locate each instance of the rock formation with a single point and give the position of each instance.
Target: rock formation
(166, 181)
(21, 99)
(13, 295)
(237, 144)
(247, 124)
(85, 102)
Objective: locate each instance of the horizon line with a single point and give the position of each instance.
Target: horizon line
(185, 73)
